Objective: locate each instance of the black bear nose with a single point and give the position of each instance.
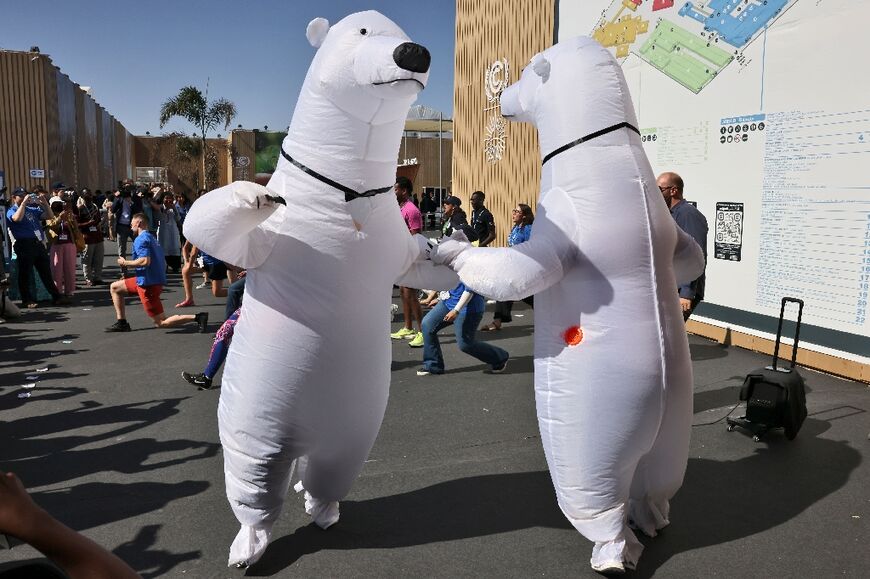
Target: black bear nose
(412, 57)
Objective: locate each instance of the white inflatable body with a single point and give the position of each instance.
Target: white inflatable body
(309, 368)
(613, 377)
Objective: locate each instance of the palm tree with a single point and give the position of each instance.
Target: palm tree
(192, 105)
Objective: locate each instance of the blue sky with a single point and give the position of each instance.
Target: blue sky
(135, 54)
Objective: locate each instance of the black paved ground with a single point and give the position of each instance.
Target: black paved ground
(116, 445)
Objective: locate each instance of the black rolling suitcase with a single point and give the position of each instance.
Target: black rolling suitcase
(775, 397)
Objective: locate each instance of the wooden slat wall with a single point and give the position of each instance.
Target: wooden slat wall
(486, 31)
(223, 159)
(52, 120)
(119, 154)
(47, 122)
(98, 148)
(426, 152)
(107, 131)
(86, 140)
(242, 142)
(64, 141)
(23, 123)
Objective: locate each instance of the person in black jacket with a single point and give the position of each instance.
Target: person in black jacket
(453, 217)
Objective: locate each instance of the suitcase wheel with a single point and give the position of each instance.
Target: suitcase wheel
(756, 438)
(730, 428)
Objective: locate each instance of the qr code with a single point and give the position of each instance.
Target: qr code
(729, 227)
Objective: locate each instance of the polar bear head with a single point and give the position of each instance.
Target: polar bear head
(570, 90)
(366, 66)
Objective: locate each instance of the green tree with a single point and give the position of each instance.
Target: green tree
(192, 105)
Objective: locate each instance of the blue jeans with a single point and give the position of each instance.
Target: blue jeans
(465, 325)
(234, 297)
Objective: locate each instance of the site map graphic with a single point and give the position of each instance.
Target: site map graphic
(691, 42)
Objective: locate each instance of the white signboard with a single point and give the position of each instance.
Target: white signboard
(763, 107)
(37, 173)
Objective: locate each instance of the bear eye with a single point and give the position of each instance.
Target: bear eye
(363, 31)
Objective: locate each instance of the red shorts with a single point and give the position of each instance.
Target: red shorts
(150, 296)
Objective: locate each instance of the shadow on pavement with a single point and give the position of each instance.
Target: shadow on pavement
(148, 562)
(19, 348)
(127, 457)
(713, 399)
(701, 352)
(720, 501)
(91, 505)
(10, 400)
(468, 507)
(24, 435)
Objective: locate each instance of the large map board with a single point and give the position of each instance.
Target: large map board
(763, 107)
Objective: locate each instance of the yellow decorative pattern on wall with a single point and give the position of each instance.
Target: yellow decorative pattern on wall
(508, 32)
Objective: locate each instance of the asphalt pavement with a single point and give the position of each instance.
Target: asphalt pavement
(115, 444)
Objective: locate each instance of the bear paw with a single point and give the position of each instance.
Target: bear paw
(618, 555)
(249, 545)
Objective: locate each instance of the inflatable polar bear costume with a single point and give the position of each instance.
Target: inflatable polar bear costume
(613, 377)
(309, 369)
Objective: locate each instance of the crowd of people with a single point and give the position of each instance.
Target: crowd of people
(50, 231)
(53, 232)
(464, 309)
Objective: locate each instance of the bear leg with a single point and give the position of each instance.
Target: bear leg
(249, 545)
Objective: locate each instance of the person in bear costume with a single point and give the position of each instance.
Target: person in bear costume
(323, 242)
(613, 377)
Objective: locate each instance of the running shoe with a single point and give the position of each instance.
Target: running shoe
(404, 333)
(201, 381)
(119, 326)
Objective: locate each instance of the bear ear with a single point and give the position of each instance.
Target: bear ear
(316, 31)
(541, 66)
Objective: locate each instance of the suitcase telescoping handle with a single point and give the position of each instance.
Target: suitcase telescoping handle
(797, 333)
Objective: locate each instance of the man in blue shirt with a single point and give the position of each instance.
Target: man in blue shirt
(25, 224)
(150, 266)
(692, 222)
(464, 309)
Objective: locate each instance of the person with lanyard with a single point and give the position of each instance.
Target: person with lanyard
(62, 231)
(123, 209)
(25, 224)
(147, 258)
(90, 220)
(464, 309)
(522, 217)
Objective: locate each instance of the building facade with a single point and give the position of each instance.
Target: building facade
(52, 130)
(770, 221)
(494, 41)
(254, 154)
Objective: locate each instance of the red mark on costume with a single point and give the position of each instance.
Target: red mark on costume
(573, 335)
